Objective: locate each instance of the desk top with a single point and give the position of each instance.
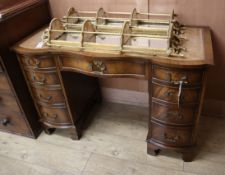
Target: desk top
(198, 44)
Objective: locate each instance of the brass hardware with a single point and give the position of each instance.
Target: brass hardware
(53, 116)
(174, 114)
(169, 94)
(173, 139)
(40, 81)
(45, 99)
(98, 66)
(4, 122)
(32, 62)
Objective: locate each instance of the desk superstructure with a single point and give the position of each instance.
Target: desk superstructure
(61, 65)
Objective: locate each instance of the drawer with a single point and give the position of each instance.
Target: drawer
(9, 101)
(171, 114)
(15, 123)
(58, 116)
(170, 94)
(47, 78)
(38, 62)
(173, 136)
(171, 76)
(49, 96)
(106, 67)
(4, 84)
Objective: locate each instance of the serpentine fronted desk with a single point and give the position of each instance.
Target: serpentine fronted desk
(63, 83)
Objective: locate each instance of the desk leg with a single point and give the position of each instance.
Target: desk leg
(74, 134)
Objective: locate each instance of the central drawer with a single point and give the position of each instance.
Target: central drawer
(104, 67)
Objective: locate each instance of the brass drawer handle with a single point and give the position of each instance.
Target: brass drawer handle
(173, 139)
(40, 81)
(175, 114)
(47, 115)
(169, 94)
(45, 99)
(4, 122)
(32, 62)
(98, 67)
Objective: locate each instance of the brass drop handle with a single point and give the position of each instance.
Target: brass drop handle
(45, 99)
(98, 66)
(173, 114)
(40, 81)
(32, 62)
(4, 122)
(169, 94)
(173, 139)
(53, 116)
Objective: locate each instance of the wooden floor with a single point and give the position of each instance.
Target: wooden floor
(113, 144)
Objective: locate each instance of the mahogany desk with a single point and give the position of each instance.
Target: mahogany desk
(63, 84)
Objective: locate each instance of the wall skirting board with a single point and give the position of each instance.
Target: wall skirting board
(214, 108)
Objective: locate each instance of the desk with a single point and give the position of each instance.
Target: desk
(64, 84)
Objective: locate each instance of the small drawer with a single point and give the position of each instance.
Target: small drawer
(105, 67)
(172, 76)
(40, 78)
(170, 94)
(49, 96)
(14, 122)
(57, 116)
(4, 84)
(39, 62)
(173, 136)
(9, 101)
(171, 114)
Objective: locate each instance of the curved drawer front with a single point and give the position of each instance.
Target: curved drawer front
(171, 94)
(9, 101)
(175, 136)
(58, 116)
(106, 67)
(171, 114)
(4, 84)
(171, 76)
(49, 96)
(38, 62)
(43, 78)
(14, 122)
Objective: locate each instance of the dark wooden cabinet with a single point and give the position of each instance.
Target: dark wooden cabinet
(17, 111)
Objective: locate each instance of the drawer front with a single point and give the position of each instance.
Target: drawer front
(49, 96)
(58, 116)
(9, 101)
(38, 62)
(170, 94)
(43, 78)
(4, 84)
(109, 67)
(172, 136)
(171, 114)
(14, 123)
(171, 76)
